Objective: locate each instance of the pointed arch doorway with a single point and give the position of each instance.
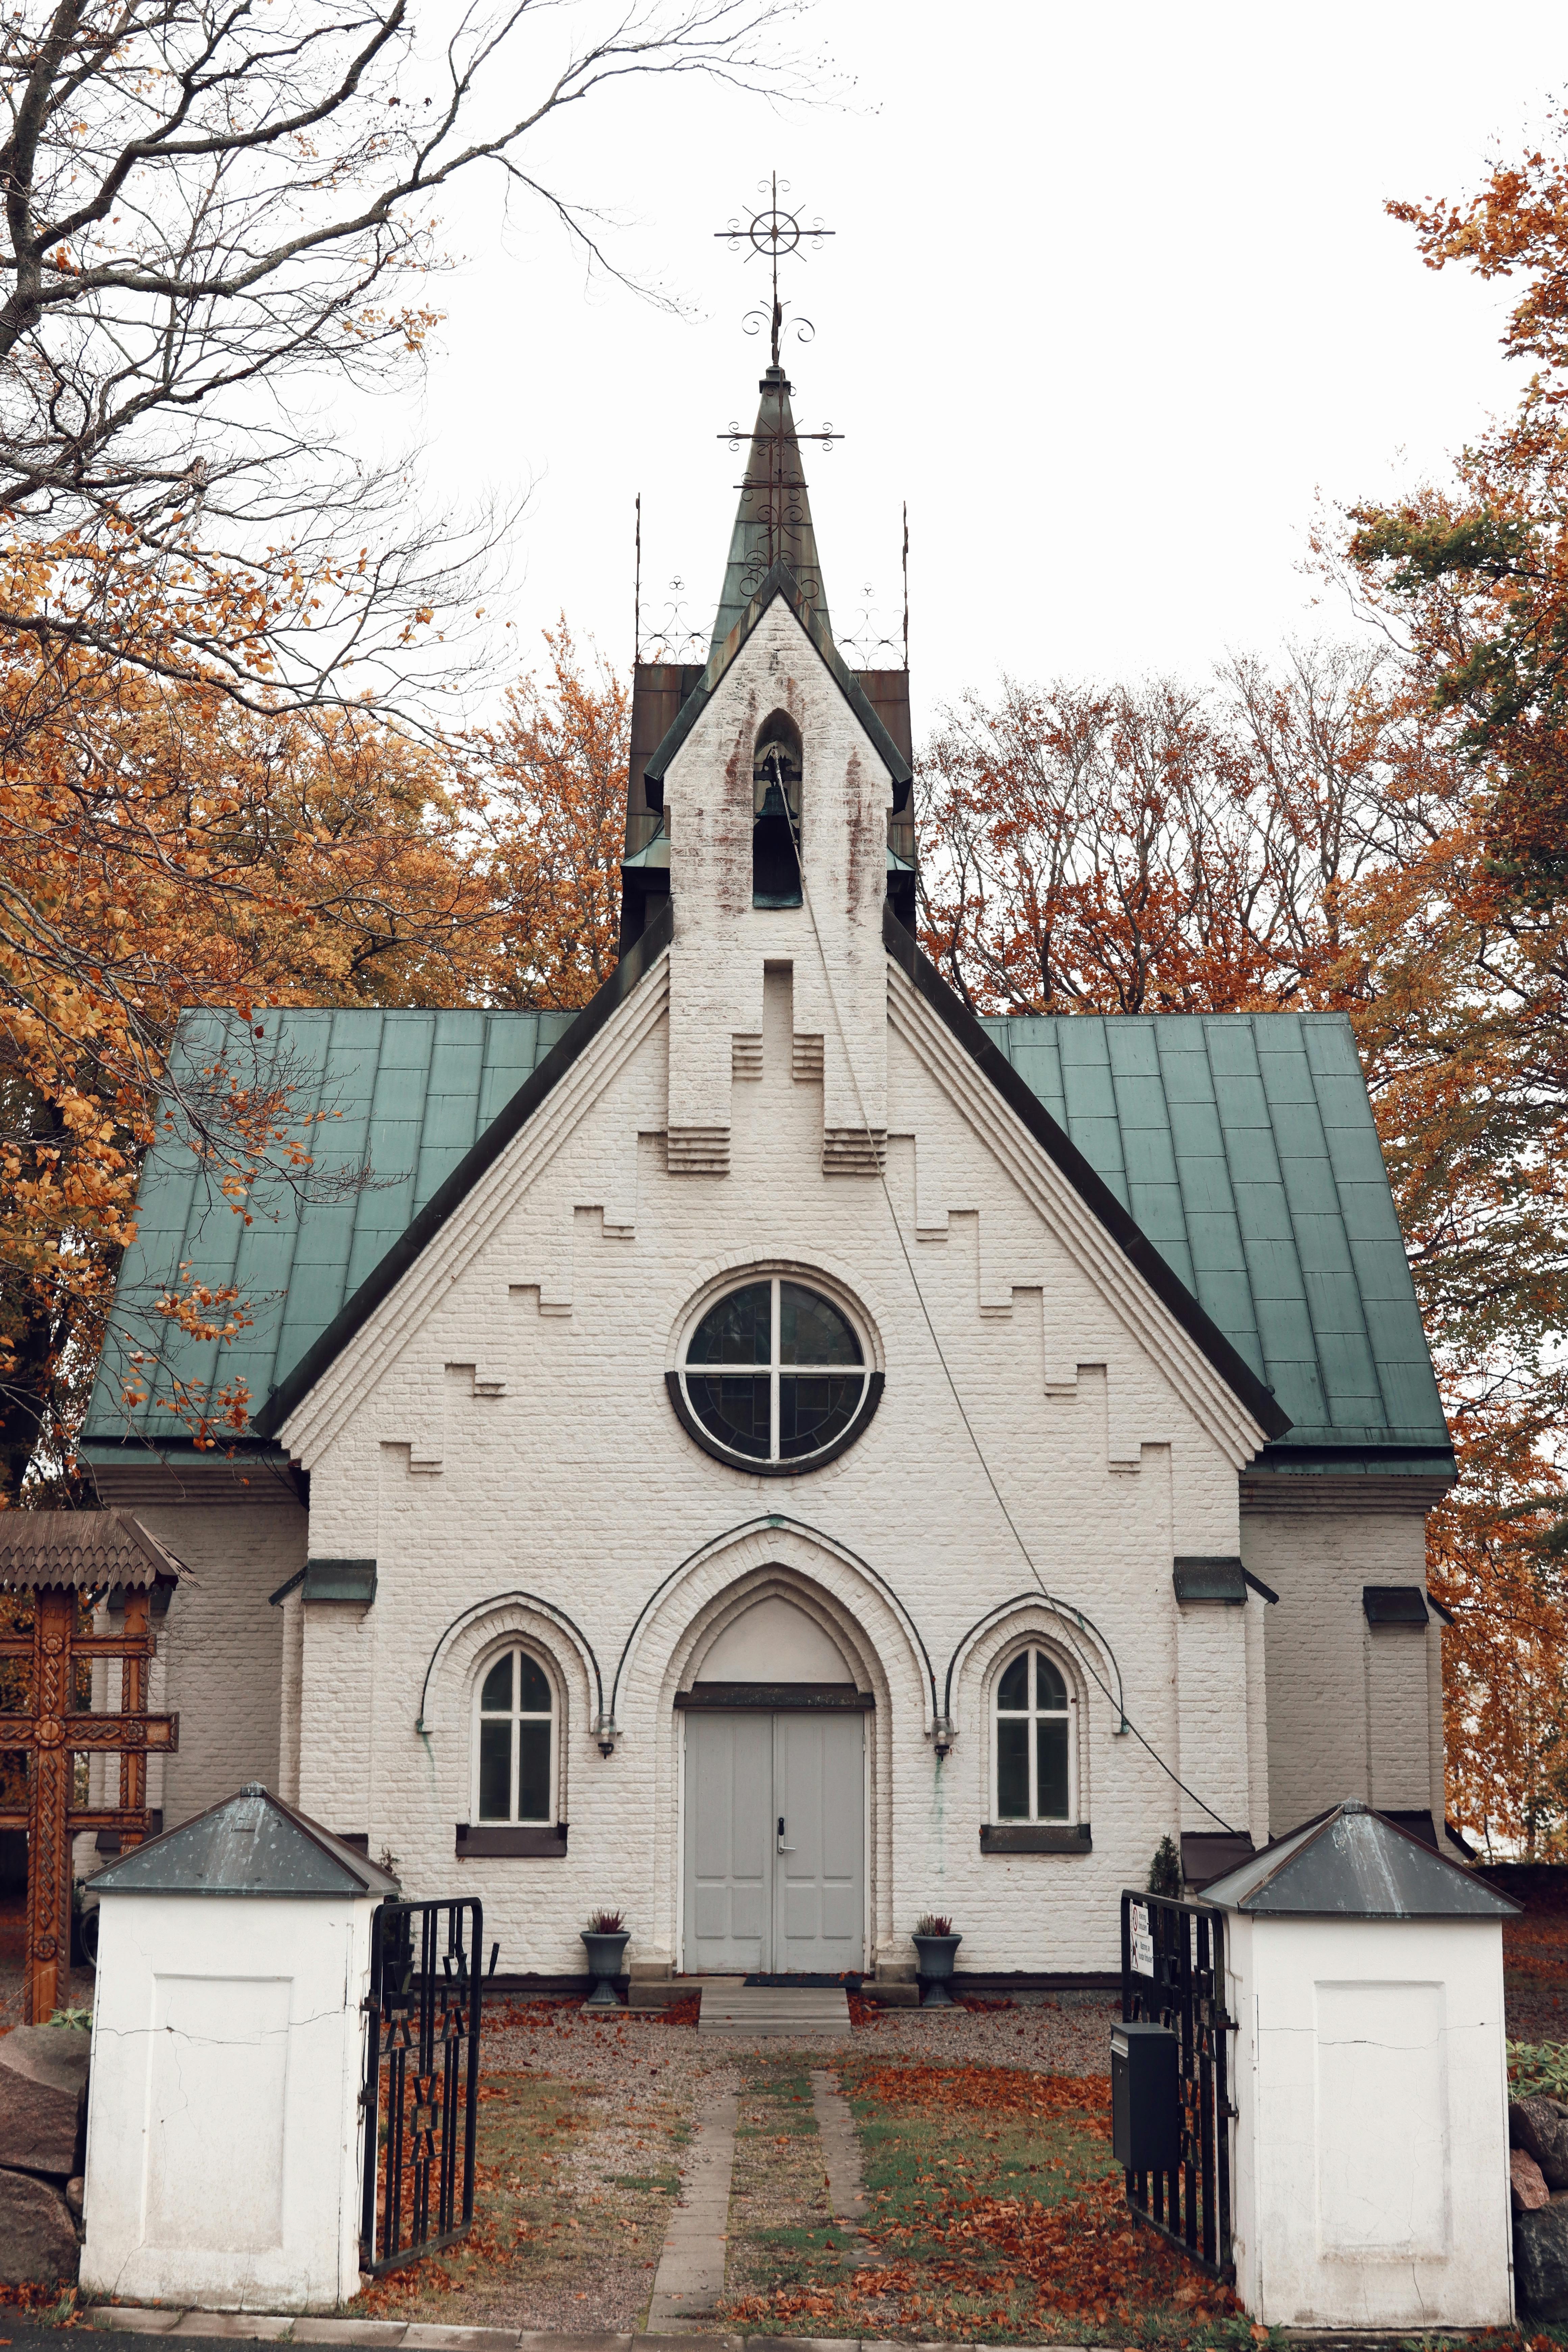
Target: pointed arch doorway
(775, 1761)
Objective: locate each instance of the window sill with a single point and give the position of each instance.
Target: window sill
(1035, 1837)
(538, 1839)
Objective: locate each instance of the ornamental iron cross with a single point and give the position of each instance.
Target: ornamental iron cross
(775, 232)
(776, 494)
(51, 1733)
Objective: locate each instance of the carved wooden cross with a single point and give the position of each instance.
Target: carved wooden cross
(52, 1733)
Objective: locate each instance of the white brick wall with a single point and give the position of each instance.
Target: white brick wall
(220, 1646)
(1350, 1711)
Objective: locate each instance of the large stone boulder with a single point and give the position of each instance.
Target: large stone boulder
(1538, 2126)
(1526, 2182)
(1540, 2260)
(43, 2099)
(37, 2236)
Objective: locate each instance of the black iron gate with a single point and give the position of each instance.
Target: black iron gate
(1173, 1973)
(422, 2080)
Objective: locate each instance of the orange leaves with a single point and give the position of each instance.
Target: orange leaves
(998, 2090)
(163, 851)
(1086, 2257)
(1126, 851)
(1480, 576)
(548, 802)
(783, 2303)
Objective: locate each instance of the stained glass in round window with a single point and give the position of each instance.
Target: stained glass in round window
(775, 1371)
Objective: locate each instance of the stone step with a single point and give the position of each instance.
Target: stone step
(749, 2010)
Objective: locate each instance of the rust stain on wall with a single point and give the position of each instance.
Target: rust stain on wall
(860, 828)
(733, 848)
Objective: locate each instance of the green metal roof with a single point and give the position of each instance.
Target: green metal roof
(1244, 1145)
(407, 1093)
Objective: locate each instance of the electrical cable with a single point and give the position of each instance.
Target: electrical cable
(962, 1412)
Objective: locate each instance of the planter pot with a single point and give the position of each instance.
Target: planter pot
(604, 1956)
(935, 1959)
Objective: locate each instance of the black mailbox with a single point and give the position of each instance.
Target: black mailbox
(1145, 2098)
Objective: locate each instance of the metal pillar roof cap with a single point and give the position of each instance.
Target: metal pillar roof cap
(1354, 1864)
(252, 1844)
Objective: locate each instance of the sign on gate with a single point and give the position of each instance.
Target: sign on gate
(1141, 1940)
(1173, 1974)
(422, 2080)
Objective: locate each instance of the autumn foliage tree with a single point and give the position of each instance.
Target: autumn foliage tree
(1149, 849)
(550, 805)
(1477, 568)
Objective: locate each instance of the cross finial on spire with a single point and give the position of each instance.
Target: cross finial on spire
(773, 232)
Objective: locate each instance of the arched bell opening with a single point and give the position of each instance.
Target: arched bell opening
(776, 765)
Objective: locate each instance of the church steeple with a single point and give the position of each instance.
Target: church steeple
(772, 520)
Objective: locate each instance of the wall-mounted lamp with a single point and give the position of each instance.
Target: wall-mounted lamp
(943, 1732)
(607, 1732)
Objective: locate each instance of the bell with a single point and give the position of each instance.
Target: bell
(773, 803)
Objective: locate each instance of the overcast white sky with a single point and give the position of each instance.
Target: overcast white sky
(1113, 298)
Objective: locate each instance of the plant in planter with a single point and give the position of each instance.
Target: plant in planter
(604, 1939)
(935, 1947)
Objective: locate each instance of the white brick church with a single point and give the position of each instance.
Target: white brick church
(772, 1454)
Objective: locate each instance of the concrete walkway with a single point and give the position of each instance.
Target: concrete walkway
(690, 2275)
(820, 2014)
(841, 2151)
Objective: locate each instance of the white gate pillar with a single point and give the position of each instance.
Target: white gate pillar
(1370, 2078)
(223, 2124)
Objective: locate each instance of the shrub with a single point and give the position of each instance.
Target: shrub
(1165, 1870)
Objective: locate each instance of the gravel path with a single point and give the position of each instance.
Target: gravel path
(1064, 2033)
(1058, 2034)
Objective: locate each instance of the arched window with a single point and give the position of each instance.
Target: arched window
(776, 765)
(514, 1734)
(1034, 1757)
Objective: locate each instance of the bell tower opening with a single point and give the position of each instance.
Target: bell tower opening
(777, 842)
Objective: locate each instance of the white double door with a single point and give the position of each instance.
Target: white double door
(775, 1842)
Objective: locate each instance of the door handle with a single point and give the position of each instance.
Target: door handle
(782, 1847)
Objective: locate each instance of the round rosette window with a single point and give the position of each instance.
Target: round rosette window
(775, 1376)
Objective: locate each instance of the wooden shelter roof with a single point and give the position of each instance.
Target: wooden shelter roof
(84, 1548)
